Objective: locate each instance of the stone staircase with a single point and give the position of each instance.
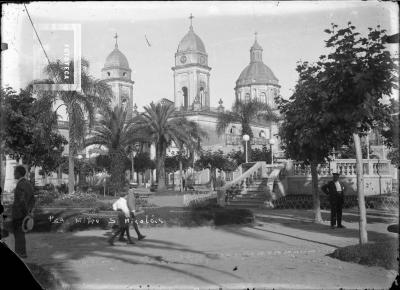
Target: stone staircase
(253, 188)
(253, 195)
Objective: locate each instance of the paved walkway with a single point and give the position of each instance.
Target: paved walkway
(282, 250)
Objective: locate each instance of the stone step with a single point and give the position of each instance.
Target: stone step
(245, 205)
(252, 195)
(248, 200)
(256, 188)
(254, 192)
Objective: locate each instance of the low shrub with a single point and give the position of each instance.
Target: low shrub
(45, 197)
(62, 188)
(382, 253)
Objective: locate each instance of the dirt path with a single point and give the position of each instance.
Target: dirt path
(282, 250)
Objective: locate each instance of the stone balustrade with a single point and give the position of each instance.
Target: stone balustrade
(377, 176)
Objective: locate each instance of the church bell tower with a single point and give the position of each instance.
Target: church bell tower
(191, 73)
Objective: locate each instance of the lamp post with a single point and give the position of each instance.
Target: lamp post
(246, 139)
(271, 143)
(80, 157)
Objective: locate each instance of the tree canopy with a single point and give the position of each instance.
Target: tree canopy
(28, 132)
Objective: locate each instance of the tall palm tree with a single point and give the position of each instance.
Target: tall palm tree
(163, 128)
(80, 106)
(245, 112)
(116, 132)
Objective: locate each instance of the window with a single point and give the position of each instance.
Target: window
(202, 99)
(124, 74)
(261, 134)
(185, 98)
(263, 98)
(108, 73)
(247, 97)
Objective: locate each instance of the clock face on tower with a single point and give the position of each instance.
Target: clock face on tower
(183, 59)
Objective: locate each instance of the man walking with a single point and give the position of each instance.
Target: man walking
(131, 200)
(22, 207)
(335, 190)
(123, 219)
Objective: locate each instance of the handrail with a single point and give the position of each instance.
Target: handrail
(242, 177)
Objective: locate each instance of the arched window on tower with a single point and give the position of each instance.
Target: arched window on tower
(185, 98)
(233, 130)
(108, 73)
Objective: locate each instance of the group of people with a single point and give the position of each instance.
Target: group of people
(24, 202)
(125, 207)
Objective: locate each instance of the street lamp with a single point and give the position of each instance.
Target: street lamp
(272, 141)
(246, 139)
(135, 148)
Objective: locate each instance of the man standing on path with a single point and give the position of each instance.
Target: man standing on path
(335, 190)
(131, 201)
(22, 207)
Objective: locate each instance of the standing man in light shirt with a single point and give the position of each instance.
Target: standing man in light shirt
(335, 190)
(121, 207)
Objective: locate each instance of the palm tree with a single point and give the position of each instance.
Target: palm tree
(163, 128)
(245, 112)
(80, 106)
(115, 131)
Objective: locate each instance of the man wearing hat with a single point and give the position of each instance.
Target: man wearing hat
(22, 210)
(335, 190)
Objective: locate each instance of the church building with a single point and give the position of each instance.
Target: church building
(192, 93)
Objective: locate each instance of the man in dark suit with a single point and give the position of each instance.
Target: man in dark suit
(131, 202)
(22, 206)
(335, 190)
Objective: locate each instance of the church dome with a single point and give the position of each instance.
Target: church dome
(116, 59)
(191, 42)
(256, 72)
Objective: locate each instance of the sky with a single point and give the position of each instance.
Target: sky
(288, 32)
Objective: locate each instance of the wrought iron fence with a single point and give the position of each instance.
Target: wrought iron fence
(305, 201)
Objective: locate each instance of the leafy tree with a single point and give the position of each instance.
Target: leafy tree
(160, 125)
(257, 155)
(308, 137)
(348, 152)
(28, 133)
(116, 132)
(245, 112)
(356, 75)
(214, 160)
(143, 162)
(342, 95)
(390, 133)
(80, 106)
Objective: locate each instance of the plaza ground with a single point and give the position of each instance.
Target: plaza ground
(282, 249)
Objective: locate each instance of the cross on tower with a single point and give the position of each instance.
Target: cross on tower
(191, 19)
(255, 35)
(116, 39)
